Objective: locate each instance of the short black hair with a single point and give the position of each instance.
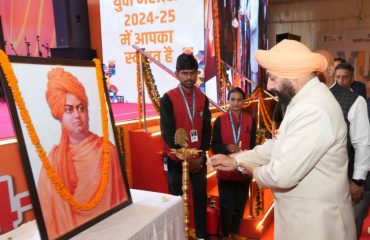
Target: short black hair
(345, 66)
(340, 60)
(235, 89)
(186, 62)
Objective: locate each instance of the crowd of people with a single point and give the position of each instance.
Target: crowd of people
(316, 163)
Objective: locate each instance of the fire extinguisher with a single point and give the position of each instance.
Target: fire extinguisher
(213, 217)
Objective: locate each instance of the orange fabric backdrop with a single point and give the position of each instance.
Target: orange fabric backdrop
(27, 18)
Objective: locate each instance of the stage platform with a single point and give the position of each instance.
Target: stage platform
(121, 112)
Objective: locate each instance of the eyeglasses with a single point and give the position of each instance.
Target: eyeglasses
(81, 108)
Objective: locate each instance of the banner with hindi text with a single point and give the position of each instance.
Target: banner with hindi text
(164, 28)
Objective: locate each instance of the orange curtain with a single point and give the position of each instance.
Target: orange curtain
(28, 19)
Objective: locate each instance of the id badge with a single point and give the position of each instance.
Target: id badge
(194, 135)
(200, 114)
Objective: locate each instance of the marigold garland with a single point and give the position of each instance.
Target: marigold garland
(50, 171)
(139, 92)
(264, 113)
(260, 139)
(225, 82)
(151, 87)
(268, 119)
(258, 207)
(216, 32)
(262, 202)
(121, 137)
(257, 93)
(267, 125)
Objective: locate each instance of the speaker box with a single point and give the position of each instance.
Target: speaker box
(73, 53)
(2, 41)
(72, 30)
(282, 36)
(2, 47)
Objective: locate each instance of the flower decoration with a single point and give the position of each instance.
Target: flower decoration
(50, 171)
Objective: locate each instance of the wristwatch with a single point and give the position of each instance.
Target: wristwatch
(236, 166)
(359, 182)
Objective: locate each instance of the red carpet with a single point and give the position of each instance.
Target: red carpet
(128, 111)
(121, 112)
(6, 127)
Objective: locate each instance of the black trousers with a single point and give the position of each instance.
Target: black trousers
(199, 189)
(232, 199)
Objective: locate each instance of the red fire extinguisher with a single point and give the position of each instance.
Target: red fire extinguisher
(213, 217)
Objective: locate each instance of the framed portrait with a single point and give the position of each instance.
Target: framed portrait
(68, 142)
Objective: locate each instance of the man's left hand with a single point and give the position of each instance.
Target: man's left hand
(222, 162)
(356, 192)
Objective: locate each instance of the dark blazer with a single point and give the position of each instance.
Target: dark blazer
(359, 88)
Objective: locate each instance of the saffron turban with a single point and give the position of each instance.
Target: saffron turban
(291, 59)
(327, 55)
(60, 83)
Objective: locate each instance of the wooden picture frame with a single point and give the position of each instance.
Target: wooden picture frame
(78, 165)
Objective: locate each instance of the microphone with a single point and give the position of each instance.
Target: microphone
(38, 45)
(46, 46)
(27, 46)
(12, 46)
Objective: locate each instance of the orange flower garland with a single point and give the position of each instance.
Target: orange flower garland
(151, 87)
(216, 32)
(257, 94)
(50, 171)
(264, 113)
(139, 92)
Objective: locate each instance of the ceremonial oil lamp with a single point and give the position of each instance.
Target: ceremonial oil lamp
(185, 154)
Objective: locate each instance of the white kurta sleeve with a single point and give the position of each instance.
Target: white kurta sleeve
(258, 156)
(359, 132)
(307, 136)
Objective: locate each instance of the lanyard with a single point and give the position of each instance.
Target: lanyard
(191, 116)
(236, 138)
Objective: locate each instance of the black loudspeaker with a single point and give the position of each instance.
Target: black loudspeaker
(282, 36)
(2, 41)
(2, 47)
(72, 30)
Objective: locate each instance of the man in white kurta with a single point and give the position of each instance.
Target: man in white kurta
(305, 165)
